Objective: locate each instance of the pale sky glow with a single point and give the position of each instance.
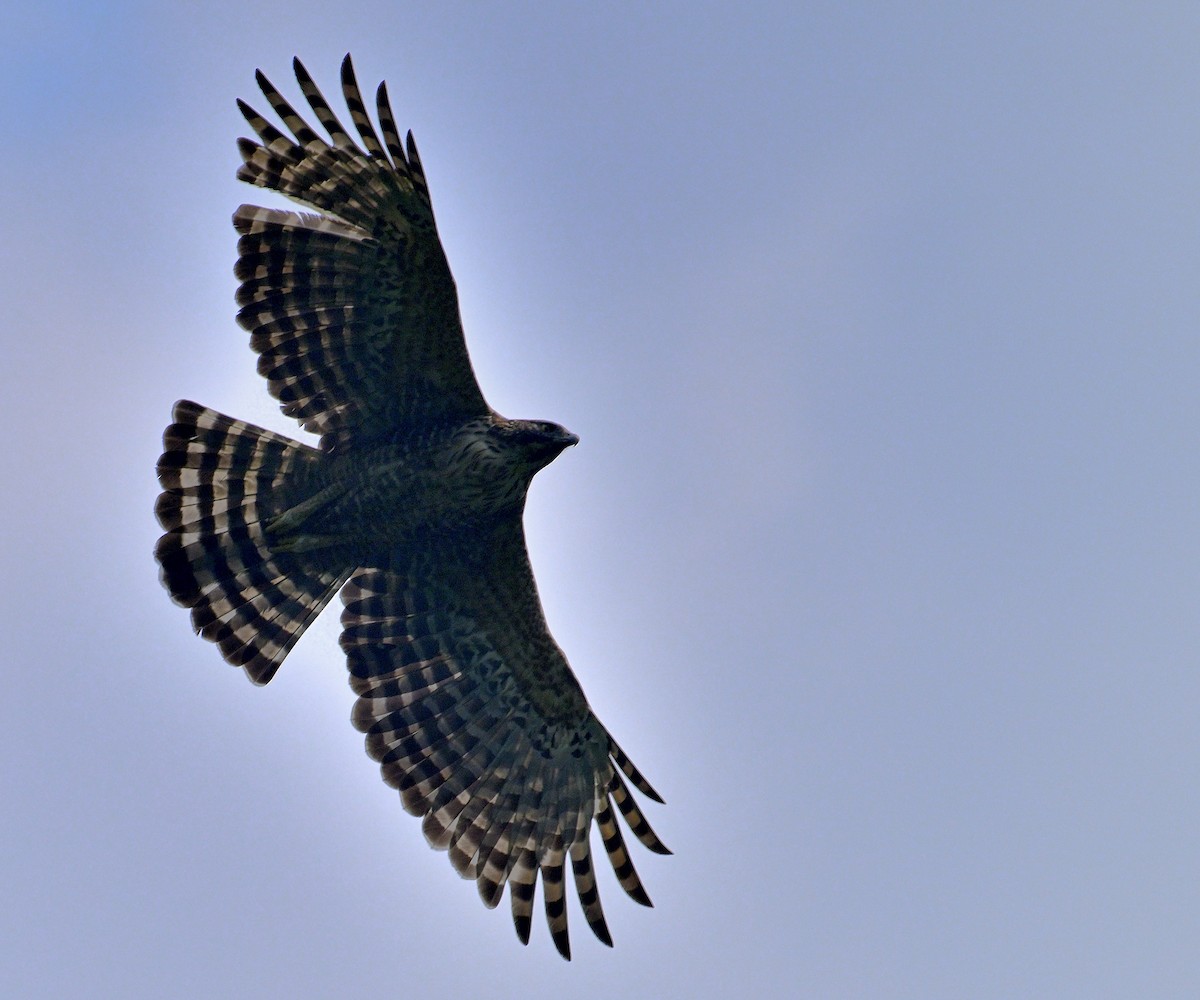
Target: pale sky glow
(879, 553)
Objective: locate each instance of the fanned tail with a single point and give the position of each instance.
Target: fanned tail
(221, 481)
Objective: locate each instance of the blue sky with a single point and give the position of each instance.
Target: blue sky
(879, 553)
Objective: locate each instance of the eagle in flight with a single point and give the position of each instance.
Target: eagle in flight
(411, 506)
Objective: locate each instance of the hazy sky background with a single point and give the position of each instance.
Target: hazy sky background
(880, 552)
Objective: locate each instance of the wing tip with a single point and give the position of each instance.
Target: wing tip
(563, 943)
(600, 929)
(523, 925)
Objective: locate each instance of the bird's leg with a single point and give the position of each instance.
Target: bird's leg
(284, 527)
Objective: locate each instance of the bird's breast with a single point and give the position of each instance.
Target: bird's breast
(392, 495)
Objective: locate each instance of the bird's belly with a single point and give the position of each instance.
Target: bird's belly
(383, 502)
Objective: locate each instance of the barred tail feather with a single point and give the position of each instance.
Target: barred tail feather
(219, 476)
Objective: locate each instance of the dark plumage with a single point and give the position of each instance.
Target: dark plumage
(411, 506)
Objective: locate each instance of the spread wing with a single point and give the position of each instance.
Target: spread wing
(353, 312)
(475, 717)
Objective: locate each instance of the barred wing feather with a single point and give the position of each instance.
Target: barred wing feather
(475, 717)
(353, 313)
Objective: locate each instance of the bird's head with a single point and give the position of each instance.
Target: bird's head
(538, 442)
(498, 459)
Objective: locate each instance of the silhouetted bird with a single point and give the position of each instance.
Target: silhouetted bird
(411, 506)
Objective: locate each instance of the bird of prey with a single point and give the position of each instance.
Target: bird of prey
(411, 506)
